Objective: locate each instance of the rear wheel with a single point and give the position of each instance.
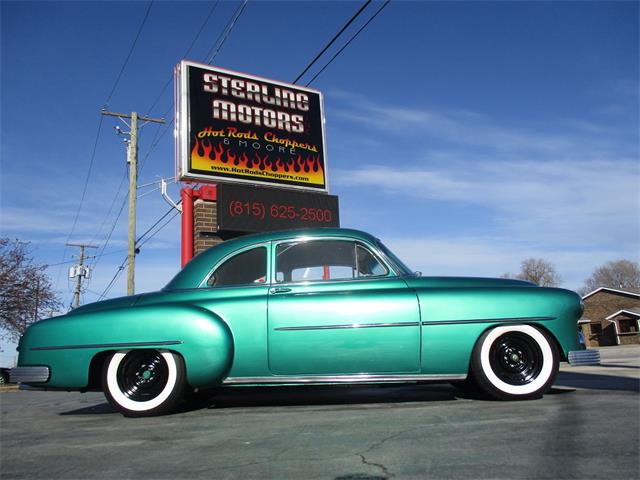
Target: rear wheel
(515, 362)
(144, 382)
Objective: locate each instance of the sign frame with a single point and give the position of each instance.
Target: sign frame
(183, 131)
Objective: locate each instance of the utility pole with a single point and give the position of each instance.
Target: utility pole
(79, 271)
(132, 160)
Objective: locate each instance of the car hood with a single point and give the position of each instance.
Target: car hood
(465, 282)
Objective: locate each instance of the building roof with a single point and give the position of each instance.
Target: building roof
(628, 312)
(611, 290)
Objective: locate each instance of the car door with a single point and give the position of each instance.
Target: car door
(335, 307)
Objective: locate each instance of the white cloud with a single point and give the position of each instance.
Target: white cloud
(570, 194)
(579, 139)
(492, 256)
(567, 202)
(578, 185)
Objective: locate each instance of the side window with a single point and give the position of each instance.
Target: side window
(324, 260)
(368, 264)
(246, 268)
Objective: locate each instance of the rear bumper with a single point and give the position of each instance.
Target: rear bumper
(29, 374)
(584, 357)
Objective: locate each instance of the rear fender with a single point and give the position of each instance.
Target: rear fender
(69, 343)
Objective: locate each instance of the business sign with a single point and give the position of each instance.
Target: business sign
(243, 208)
(233, 127)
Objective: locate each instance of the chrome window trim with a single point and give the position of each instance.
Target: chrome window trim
(391, 273)
(267, 245)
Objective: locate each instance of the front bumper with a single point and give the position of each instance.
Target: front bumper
(29, 374)
(584, 357)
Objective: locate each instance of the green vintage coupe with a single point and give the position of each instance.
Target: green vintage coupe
(324, 306)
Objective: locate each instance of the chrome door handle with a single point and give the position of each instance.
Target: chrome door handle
(280, 290)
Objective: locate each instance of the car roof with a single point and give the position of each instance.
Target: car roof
(193, 273)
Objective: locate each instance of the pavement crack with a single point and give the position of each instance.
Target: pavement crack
(385, 471)
(383, 468)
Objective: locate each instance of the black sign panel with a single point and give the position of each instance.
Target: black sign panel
(255, 209)
(234, 127)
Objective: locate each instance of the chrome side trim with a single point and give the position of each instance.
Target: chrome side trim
(350, 325)
(311, 379)
(489, 320)
(29, 374)
(109, 345)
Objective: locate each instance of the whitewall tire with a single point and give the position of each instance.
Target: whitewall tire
(514, 362)
(144, 382)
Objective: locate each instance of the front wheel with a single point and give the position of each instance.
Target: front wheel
(515, 362)
(142, 383)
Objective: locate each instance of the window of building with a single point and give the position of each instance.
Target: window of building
(628, 325)
(324, 260)
(248, 267)
(596, 329)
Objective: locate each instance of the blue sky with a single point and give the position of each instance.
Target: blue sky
(467, 135)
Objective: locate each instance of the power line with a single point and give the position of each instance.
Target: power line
(113, 280)
(86, 258)
(133, 46)
(93, 154)
(113, 202)
(121, 266)
(154, 225)
(113, 227)
(226, 32)
(335, 37)
(157, 136)
(348, 42)
(220, 41)
(159, 229)
(193, 42)
(82, 196)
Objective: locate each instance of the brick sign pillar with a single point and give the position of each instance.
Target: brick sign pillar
(205, 224)
(199, 221)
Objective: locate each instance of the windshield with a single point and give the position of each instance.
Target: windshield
(398, 264)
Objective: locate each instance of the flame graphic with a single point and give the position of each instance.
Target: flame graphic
(218, 159)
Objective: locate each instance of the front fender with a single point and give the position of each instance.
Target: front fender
(67, 344)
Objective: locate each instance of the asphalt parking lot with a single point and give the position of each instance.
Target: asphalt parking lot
(587, 427)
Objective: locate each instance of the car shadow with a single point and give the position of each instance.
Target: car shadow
(100, 409)
(307, 395)
(322, 395)
(596, 381)
(613, 365)
(392, 394)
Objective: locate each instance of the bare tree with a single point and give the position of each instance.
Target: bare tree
(539, 271)
(618, 274)
(25, 291)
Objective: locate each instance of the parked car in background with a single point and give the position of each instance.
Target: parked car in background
(323, 306)
(4, 375)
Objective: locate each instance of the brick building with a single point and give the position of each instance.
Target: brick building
(611, 317)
